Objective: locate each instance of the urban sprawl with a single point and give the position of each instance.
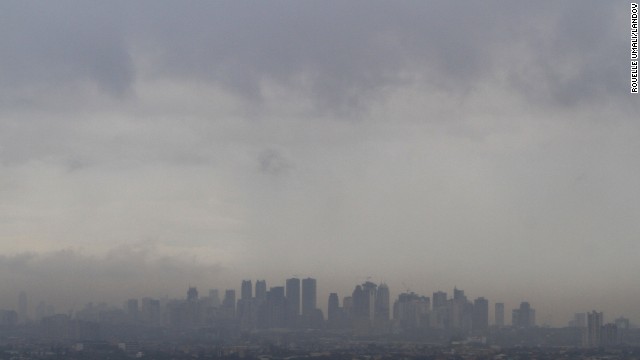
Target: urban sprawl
(285, 322)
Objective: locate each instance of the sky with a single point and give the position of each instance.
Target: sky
(148, 146)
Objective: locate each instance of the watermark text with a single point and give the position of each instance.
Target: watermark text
(634, 48)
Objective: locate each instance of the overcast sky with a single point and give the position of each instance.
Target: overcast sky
(149, 145)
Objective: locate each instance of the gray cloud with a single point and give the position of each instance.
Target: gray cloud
(56, 45)
(433, 143)
(273, 162)
(339, 53)
(349, 51)
(70, 278)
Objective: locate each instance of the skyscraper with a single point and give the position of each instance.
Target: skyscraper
(261, 290)
(276, 305)
(594, 327)
(411, 310)
(333, 308)
(622, 323)
(347, 306)
(458, 294)
(382, 304)
(523, 316)
(229, 303)
(480, 319)
(609, 335)
(308, 297)
(440, 313)
(439, 299)
(370, 290)
(192, 314)
(292, 293)
(460, 311)
(192, 294)
(364, 297)
(244, 308)
(246, 290)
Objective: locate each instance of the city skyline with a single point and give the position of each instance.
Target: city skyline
(146, 147)
(29, 308)
(265, 321)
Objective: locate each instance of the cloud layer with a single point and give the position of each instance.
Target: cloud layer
(68, 279)
(487, 145)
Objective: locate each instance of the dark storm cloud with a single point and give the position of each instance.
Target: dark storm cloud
(575, 55)
(558, 53)
(53, 44)
(339, 52)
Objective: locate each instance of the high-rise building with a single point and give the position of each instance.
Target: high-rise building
(308, 297)
(229, 303)
(358, 307)
(192, 294)
(460, 311)
(246, 290)
(499, 314)
(532, 317)
(515, 317)
(347, 305)
(410, 311)
(364, 303)
(261, 290)
(292, 293)
(440, 313)
(523, 316)
(244, 307)
(593, 335)
(609, 335)
(480, 319)
(333, 309)
(439, 299)
(622, 325)
(276, 307)
(370, 291)
(192, 315)
(261, 310)
(382, 304)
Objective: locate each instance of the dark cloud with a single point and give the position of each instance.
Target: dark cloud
(348, 51)
(338, 53)
(575, 56)
(423, 135)
(273, 162)
(57, 45)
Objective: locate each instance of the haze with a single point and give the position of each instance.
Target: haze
(492, 146)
